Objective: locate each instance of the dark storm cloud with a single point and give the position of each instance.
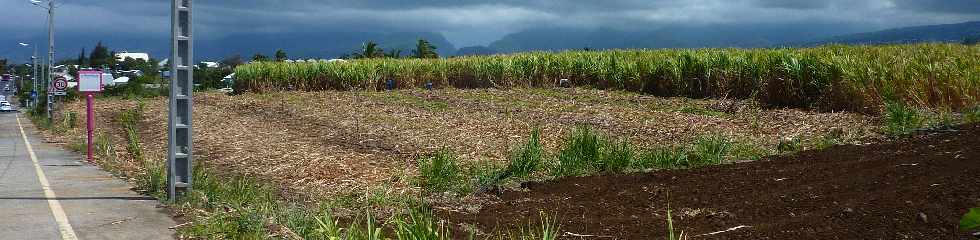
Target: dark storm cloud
(472, 21)
(945, 6)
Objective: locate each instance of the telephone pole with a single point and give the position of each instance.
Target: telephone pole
(50, 73)
(180, 132)
(50, 105)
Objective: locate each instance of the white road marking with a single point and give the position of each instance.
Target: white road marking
(67, 233)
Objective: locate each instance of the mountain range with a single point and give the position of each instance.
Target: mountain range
(327, 44)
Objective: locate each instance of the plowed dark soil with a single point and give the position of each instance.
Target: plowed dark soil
(913, 188)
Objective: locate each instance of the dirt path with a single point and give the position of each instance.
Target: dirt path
(914, 188)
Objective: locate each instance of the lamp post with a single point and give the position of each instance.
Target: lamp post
(33, 72)
(50, 75)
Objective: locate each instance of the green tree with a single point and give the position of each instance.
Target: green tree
(100, 56)
(370, 50)
(424, 49)
(81, 58)
(260, 58)
(971, 40)
(281, 55)
(231, 62)
(394, 53)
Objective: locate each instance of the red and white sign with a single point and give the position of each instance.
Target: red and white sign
(89, 81)
(60, 83)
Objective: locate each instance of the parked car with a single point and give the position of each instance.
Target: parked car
(5, 107)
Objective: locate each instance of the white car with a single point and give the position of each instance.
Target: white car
(5, 107)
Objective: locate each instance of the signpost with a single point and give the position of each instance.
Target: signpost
(89, 82)
(180, 153)
(59, 86)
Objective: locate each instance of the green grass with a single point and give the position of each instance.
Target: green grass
(581, 153)
(709, 150)
(835, 77)
(441, 172)
(972, 115)
(900, 119)
(697, 110)
(971, 220)
(790, 145)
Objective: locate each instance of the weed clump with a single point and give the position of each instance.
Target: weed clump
(901, 119)
(581, 153)
(440, 172)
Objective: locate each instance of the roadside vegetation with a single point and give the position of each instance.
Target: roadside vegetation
(858, 78)
(397, 155)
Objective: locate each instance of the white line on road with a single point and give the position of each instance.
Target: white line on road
(67, 233)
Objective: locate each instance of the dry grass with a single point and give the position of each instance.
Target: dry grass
(320, 144)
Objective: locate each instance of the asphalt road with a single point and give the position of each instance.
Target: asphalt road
(49, 193)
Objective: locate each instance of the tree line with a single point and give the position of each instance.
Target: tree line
(370, 49)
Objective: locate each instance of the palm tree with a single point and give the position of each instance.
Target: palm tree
(370, 50)
(424, 49)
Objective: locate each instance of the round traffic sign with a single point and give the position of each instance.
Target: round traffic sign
(60, 83)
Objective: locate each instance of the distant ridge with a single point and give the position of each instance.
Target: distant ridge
(918, 34)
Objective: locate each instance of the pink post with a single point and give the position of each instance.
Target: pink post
(90, 124)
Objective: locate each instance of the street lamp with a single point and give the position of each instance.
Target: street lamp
(50, 74)
(34, 72)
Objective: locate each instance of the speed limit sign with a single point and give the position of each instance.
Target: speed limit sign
(60, 84)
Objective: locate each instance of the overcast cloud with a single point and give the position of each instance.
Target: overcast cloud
(470, 22)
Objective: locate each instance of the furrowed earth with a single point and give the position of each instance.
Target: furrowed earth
(913, 188)
(322, 145)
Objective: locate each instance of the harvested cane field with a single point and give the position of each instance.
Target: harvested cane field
(747, 138)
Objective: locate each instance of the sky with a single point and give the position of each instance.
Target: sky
(471, 22)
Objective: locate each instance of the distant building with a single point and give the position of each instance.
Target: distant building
(137, 56)
(211, 64)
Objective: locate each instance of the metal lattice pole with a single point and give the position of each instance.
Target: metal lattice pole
(50, 104)
(180, 154)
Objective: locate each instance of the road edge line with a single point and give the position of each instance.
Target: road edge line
(67, 233)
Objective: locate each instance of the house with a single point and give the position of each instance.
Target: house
(137, 56)
(211, 64)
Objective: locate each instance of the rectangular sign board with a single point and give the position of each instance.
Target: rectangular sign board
(89, 81)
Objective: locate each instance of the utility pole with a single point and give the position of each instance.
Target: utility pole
(50, 105)
(180, 153)
(34, 77)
